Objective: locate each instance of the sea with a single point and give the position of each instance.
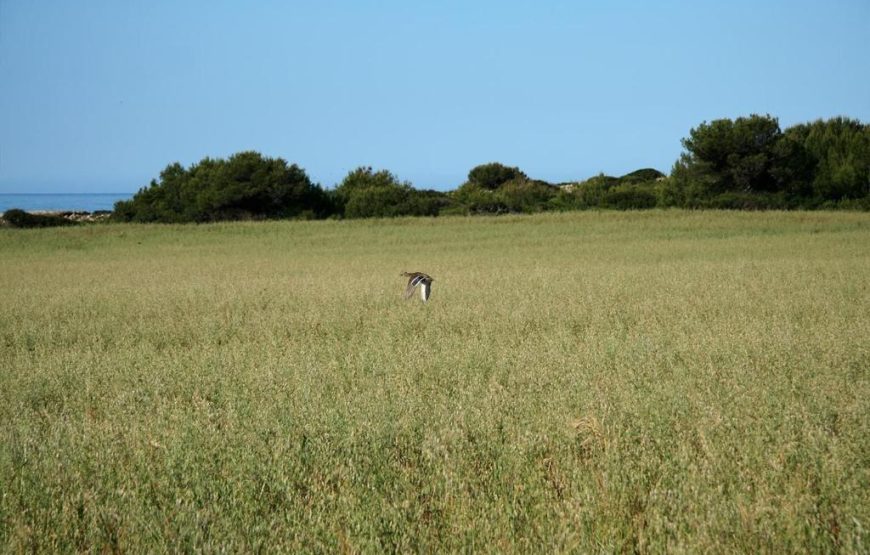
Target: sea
(61, 202)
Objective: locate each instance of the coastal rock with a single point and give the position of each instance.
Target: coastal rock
(72, 216)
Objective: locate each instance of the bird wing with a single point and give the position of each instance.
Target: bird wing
(415, 279)
(409, 290)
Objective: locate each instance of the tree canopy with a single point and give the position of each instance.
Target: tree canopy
(751, 159)
(745, 163)
(493, 175)
(246, 185)
(825, 160)
(365, 193)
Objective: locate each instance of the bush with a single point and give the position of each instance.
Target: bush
(746, 201)
(474, 199)
(688, 186)
(520, 195)
(749, 163)
(428, 202)
(735, 156)
(493, 175)
(364, 193)
(642, 176)
(590, 193)
(246, 185)
(16, 217)
(566, 199)
(861, 204)
(630, 197)
(526, 196)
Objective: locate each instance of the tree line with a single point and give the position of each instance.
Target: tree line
(751, 162)
(745, 163)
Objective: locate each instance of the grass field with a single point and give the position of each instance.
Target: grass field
(586, 382)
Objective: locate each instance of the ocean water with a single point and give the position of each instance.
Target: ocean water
(77, 202)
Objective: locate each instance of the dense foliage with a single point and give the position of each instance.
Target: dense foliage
(751, 162)
(493, 175)
(747, 163)
(494, 188)
(19, 218)
(365, 193)
(244, 186)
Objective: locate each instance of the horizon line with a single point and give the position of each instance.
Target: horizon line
(64, 193)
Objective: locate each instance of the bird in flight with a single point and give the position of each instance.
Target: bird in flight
(421, 279)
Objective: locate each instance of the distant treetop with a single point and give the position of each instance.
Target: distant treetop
(246, 185)
(642, 175)
(493, 175)
(745, 163)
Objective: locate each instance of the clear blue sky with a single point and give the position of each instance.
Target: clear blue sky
(99, 96)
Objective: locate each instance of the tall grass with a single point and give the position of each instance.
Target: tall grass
(659, 381)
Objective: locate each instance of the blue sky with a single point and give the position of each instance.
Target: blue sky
(100, 96)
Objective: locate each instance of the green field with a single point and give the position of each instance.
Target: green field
(582, 382)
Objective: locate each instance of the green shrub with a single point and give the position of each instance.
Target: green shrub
(526, 196)
(247, 185)
(364, 193)
(860, 204)
(427, 202)
(729, 163)
(630, 197)
(493, 175)
(590, 193)
(377, 202)
(642, 176)
(566, 199)
(16, 217)
(519, 195)
(746, 201)
(475, 199)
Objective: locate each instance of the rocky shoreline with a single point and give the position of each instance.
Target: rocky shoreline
(75, 215)
(50, 218)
